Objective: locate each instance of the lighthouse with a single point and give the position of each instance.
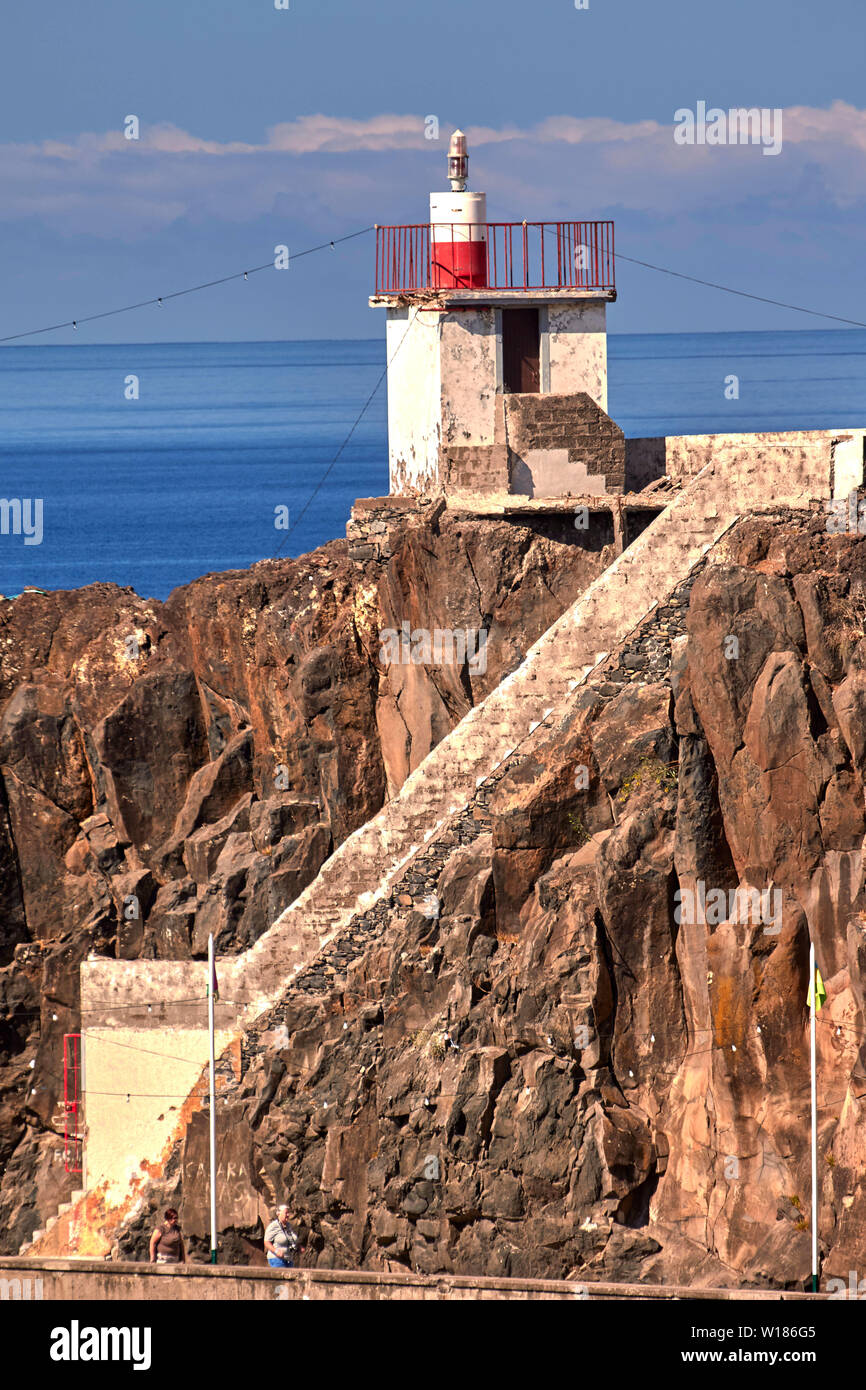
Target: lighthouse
(497, 351)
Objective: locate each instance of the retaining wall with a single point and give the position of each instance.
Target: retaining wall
(100, 1281)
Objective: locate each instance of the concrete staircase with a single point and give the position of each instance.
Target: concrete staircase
(365, 864)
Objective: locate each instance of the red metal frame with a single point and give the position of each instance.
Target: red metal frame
(545, 256)
(72, 1138)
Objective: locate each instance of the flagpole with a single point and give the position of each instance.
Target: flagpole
(210, 1013)
(813, 993)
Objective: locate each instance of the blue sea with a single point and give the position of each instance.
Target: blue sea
(191, 477)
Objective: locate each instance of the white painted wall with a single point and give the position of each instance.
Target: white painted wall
(577, 348)
(469, 377)
(136, 1093)
(848, 473)
(414, 396)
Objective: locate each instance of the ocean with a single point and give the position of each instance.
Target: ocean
(225, 438)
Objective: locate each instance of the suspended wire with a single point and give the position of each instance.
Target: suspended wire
(743, 294)
(597, 1035)
(244, 274)
(178, 294)
(132, 1047)
(727, 289)
(358, 418)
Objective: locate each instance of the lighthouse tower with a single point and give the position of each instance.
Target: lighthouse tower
(497, 351)
(458, 227)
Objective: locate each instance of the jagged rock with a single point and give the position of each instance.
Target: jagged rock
(133, 895)
(278, 816)
(168, 929)
(202, 849)
(213, 790)
(142, 786)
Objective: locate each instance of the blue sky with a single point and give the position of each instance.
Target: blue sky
(262, 126)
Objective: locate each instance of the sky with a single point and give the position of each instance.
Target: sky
(261, 127)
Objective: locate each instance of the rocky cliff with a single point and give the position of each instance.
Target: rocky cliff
(576, 1038)
(175, 769)
(578, 1041)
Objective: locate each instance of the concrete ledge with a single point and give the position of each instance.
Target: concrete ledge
(503, 298)
(80, 1280)
(517, 504)
(395, 502)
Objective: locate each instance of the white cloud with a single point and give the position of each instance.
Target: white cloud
(107, 186)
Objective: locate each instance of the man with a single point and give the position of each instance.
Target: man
(281, 1241)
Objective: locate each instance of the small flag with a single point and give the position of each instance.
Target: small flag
(820, 992)
(214, 985)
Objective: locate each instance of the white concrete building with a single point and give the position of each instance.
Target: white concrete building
(497, 350)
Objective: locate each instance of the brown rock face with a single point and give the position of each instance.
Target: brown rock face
(578, 1039)
(173, 769)
(580, 1042)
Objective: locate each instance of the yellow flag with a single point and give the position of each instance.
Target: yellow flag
(820, 992)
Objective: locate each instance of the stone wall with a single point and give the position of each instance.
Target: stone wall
(561, 444)
(375, 524)
(475, 468)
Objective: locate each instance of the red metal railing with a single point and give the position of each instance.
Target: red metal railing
(497, 255)
(72, 1137)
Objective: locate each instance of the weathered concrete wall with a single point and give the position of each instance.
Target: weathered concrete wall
(563, 444)
(412, 340)
(683, 456)
(577, 350)
(686, 455)
(139, 1095)
(445, 388)
(469, 376)
(98, 1281)
(160, 1078)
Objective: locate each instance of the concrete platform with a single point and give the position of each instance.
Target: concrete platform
(80, 1280)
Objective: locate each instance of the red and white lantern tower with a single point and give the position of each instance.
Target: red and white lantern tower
(458, 227)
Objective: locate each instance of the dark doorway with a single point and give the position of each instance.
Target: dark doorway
(521, 350)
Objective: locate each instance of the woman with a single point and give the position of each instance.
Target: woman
(281, 1241)
(166, 1243)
